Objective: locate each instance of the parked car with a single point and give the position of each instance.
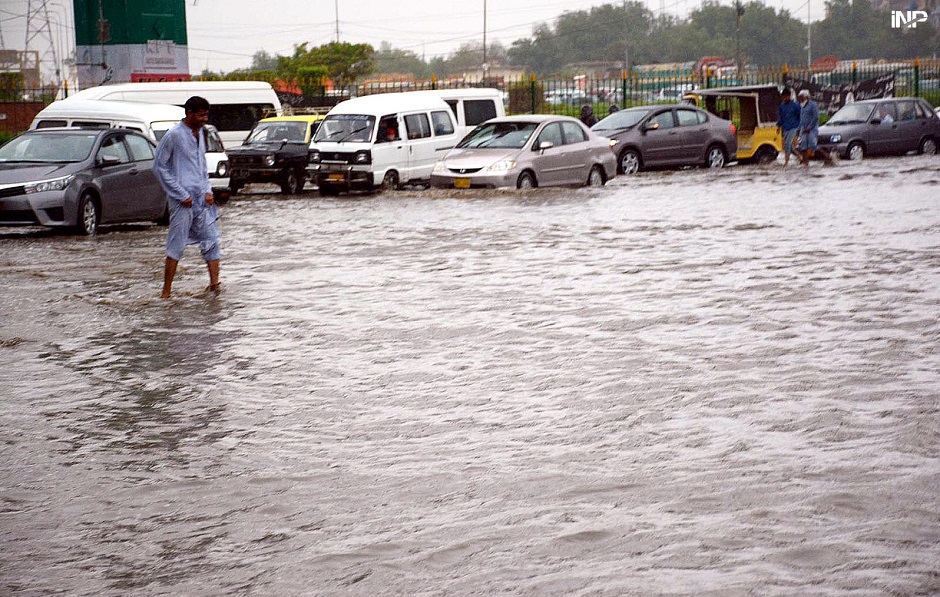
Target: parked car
(673, 135)
(153, 120)
(79, 177)
(526, 152)
(276, 150)
(881, 126)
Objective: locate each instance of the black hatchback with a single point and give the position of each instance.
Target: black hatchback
(80, 178)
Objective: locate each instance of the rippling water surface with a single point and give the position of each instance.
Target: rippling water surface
(682, 384)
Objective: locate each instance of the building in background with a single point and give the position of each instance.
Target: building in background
(121, 41)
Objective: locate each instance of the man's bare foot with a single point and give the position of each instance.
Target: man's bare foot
(216, 288)
(165, 295)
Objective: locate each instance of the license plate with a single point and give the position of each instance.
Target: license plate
(339, 177)
(461, 183)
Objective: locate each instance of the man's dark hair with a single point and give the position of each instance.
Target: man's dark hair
(785, 92)
(196, 104)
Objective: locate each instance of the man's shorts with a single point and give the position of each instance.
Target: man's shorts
(788, 138)
(188, 227)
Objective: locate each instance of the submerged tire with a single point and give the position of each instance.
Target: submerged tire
(855, 152)
(596, 177)
(526, 181)
(715, 157)
(88, 216)
(928, 147)
(630, 162)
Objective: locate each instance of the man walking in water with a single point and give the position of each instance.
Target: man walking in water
(788, 121)
(180, 166)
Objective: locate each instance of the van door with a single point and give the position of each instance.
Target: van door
(389, 151)
(421, 147)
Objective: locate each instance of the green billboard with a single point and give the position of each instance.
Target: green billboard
(122, 22)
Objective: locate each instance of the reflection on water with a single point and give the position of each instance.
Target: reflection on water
(686, 383)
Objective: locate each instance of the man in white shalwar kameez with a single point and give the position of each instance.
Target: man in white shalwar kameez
(180, 165)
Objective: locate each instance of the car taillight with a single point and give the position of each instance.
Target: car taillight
(734, 131)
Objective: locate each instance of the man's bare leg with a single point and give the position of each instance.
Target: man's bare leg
(169, 272)
(214, 283)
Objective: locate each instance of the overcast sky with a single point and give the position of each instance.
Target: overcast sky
(225, 34)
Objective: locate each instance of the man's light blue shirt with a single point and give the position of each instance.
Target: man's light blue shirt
(180, 166)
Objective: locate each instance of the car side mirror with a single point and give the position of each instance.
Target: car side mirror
(545, 145)
(109, 160)
(650, 126)
(876, 121)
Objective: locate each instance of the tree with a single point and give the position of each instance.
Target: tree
(391, 61)
(263, 61)
(343, 62)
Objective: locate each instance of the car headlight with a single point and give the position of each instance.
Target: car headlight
(269, 160)
(314, 157)
(836, 138)
(502, 166)
(56, 184)
(363, 157)
(613, 143)
(222, 169)
(439, 167)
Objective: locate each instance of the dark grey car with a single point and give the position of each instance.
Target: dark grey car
(668, 136)
(881, 127)
(79, 177)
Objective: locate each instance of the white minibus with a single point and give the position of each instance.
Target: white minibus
(235, 106)
(383, 140)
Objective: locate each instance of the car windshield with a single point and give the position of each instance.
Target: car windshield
(852, 113)
(356, 128)
(622, 119)
(275, 132)
(500, 135)
(42, 148)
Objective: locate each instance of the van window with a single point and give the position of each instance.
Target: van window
(388, 130)
(113, 147)
(345, 127)
(417, 126)
(238, 117)
(141, 149)
(48, 124)
(453, 107)
(91, 124)
(443, 125)
(478, 111)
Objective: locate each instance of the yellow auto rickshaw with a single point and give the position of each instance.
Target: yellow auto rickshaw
(753, 110)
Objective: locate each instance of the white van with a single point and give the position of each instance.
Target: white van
(234, 106)
(381, 140)
(472, 106)
(152, 120)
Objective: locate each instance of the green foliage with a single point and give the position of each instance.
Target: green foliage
(389, 60)
(12, 86)
(343, 62)
(6, 136)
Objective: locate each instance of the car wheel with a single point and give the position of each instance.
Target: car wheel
(289, 182)
(596, 177)
(390, 182)
(235, 187)
(856, 151)
(88, 217)
(928, 147)
(715, 157)
(164, 219)
(301, 177)
(766, 154)
(526, 181)
(629, 162)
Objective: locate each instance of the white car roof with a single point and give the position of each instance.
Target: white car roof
(390, 103)
(87, 108)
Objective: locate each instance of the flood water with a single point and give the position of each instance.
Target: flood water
(683, 384)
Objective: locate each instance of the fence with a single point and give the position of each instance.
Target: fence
(565, 95)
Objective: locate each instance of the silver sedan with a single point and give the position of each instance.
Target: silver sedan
(526, 152)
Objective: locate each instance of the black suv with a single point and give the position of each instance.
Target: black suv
(276, 150)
